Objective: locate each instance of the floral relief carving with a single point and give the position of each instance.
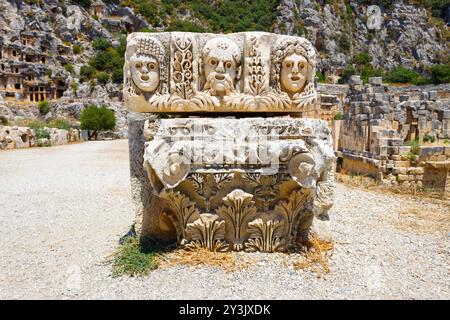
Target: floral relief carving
(237, 210)
(265, 236)
(291, 211)
(183, 212)
(207, 73)
(207, 232)
(208, 185)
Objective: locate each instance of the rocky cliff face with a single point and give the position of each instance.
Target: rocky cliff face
(401, 34)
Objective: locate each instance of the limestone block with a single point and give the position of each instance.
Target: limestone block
(433, 95)
(355, 80)
(405, 177)
(415, 170)
(376, 81)
(240, 72)
(399, 170)
(204, 173)
(401, 163)
(426, 152)
(404, 150)
(447, 151)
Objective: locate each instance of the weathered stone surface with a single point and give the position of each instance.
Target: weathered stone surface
(241, 72)
(231, 183)
(415, 118)
(24, 137)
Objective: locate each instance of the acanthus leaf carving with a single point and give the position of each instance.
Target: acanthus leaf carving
(238, 209)
(291, 209)
(207, 232)
(183, 212)
(265, 236)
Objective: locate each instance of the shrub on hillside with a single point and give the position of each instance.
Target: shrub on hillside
(103, 78)
(440, 73)
(401, 74)
(86, 72)
(44, 108)
(101, 43)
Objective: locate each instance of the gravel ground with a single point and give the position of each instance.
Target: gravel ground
(63, 209)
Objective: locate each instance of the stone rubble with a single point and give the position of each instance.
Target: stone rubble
(376, 125)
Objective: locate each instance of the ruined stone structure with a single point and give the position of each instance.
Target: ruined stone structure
(220, 154)
(15, 137)
(25, 61)
(398, 138)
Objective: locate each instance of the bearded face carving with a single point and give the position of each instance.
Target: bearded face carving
(221, 65)
(145, 72)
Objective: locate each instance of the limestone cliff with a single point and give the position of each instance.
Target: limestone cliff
(405, 34)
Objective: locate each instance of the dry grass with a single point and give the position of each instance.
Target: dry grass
(203, 257)
(423, 220)
(315, 256)
(425, 212)
(356, 181)
(368, 183)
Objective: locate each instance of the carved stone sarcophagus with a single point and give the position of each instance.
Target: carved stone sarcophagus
(220, 154)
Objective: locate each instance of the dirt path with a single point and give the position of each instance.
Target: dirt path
(63, 209)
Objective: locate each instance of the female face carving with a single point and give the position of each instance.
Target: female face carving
(294, 72)
(145, 72)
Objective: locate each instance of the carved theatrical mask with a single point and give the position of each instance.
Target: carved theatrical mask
(221, 65)
(145, 72)
(294, 73)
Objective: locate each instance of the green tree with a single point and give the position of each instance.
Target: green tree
(401, 74)
(103, 77)
(43, 108)
(96, 119)
(440, 73)
(100, 43)
(86, 72)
